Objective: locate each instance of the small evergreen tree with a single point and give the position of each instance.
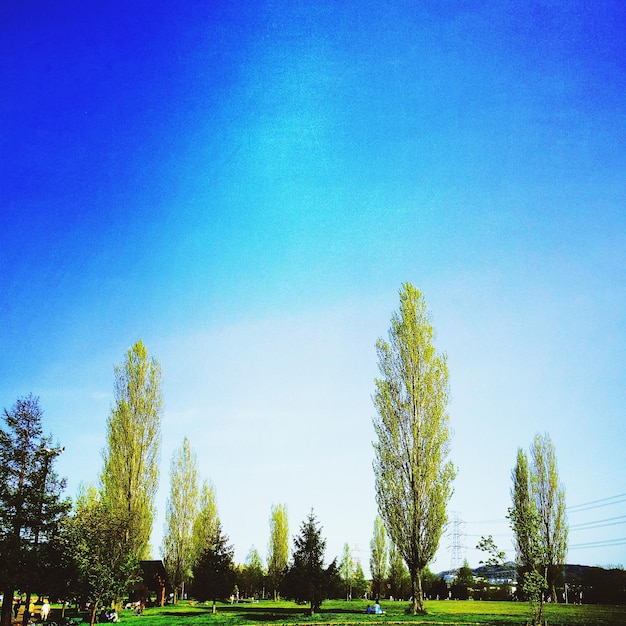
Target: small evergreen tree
(214, 573)
(359, 582)
(306, 579)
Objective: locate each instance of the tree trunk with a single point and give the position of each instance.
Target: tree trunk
(94, 609)
(7, 608)
(418, 594)
(26, 614)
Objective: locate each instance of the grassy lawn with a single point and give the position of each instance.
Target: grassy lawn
(340, 612)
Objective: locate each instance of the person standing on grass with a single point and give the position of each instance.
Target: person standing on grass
(45, 610)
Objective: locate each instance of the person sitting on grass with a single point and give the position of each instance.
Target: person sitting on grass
(377, 609)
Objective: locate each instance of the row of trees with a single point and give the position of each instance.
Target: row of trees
(194, 535)
(413, 484)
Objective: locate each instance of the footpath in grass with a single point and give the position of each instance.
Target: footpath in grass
(343, 613)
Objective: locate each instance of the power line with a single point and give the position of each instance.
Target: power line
(595, 504)
(621, 541)
(609, 521)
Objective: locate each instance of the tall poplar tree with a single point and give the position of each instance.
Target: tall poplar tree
(205, 524)
(131, 459)
(549, 496)
(378, 558)
(413, 476)
(528, 546)
(538, 521)
(180, 515)
(278, 549)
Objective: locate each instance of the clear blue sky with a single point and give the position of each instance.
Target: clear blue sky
(246, 185)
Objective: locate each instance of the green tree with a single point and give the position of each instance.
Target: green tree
(413, 476)
(214, 573)
(495, 556)
(398, 579)
(306, 579)
(278, 549)
(429, 581)
(549, 496)
(31, 505)
(346, 571)
(252, 574)
(104, 567)
(378, 557)
(359, 582)
(527, 537)
(131, 460)
(205, 524)
(463, 583)
(180, 515)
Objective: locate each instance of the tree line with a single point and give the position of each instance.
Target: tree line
(101, 537)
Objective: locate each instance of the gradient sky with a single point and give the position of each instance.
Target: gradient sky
(245, 186)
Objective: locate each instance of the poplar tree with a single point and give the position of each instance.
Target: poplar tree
(413, 476)
(180, 515)
(205, 524)
(252, 573)
(378, 557)
(131, 459)
(346, 570)
(278, 549)
(549, 495)
(528, 546)
(538, 522)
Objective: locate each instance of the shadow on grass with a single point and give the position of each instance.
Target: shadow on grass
(265, 614)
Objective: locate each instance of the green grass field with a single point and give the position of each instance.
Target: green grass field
(345, 613)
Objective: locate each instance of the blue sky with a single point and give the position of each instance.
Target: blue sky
(245, 186)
